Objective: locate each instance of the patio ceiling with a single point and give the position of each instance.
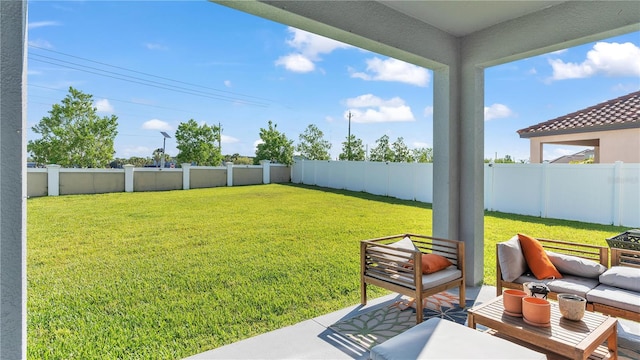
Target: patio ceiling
(427, 32)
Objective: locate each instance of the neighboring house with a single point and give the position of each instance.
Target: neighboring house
(611, 128)
(579, 156)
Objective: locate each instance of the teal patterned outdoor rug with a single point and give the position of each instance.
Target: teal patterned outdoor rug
(376, 326)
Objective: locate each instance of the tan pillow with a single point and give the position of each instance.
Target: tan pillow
(511, 259)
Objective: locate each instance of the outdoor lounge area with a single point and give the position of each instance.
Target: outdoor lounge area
(429, 317)
(317, 339)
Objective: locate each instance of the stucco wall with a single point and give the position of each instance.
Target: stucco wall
(37, 183)
(157, 180)
(280, 174)
(91, 183)
(207, 178)
(248, 175)
(615, 145)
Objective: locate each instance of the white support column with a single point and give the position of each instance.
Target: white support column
(13, 180)
(266, 171)
(53, 179)
(186, 176)
(229, 173)
(128, 177)
(617, 191)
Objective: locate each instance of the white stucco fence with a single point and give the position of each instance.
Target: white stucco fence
(595, 193)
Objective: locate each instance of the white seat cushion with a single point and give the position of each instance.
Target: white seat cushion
(442, 339)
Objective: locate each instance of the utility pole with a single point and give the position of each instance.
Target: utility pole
(220, 138)
(349, 139)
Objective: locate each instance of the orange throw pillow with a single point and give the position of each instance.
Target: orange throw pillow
(434, 262)
(537, 258)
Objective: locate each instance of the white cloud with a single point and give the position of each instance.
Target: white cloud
(40, 43)
(558, 52)
(155, 124)
(370, 100)
(227, 83)
(296, 63)
(308, 48)
(329, 119)
(103, 105)
(394, 70)
(312, 45)
(39, 24)
(369, 108)
(428, 111)
(156, 46)
(257, 142)
(226, 139)
(497, 111)
(609, 59)
(420, 144)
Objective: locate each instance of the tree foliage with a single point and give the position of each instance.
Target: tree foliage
(198, 144)
(423, 155)
(382, 151)
(73, 135)
(401, 152)
(357, 149)
(274, 147)
(238, 160)
(505, 160)
(312, 144)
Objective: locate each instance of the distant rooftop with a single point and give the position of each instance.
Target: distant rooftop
(619, 113)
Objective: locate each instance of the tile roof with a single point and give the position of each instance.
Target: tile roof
(619, 113)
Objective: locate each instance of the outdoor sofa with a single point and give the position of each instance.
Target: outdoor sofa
(414, 265)
(584, 272)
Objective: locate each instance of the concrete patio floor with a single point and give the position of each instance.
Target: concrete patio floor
(312, 339)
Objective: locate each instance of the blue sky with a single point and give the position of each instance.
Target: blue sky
(156, 64)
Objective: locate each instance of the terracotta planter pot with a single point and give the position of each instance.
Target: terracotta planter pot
(571, 306)
(536, 311)
(512, 301)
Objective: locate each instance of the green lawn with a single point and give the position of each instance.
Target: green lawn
(171, 274)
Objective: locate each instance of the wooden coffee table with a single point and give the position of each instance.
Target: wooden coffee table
(571, 339)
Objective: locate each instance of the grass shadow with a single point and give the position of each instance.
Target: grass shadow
(578, 225)
(554, 222)
(363, 195)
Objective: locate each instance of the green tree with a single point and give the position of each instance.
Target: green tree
(312, 144)
(138, 161)
(401, 152)
(382, 151)
(238, 160)
(73, 135)
(274, 147)
(198, 144)
(505, 160)
(423, 155)
(357, 149)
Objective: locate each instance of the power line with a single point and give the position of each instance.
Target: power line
(147, 83)
(147, 74)
(113, 99)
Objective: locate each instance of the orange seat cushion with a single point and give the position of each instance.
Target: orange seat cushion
(434, 262)
(537, 259)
